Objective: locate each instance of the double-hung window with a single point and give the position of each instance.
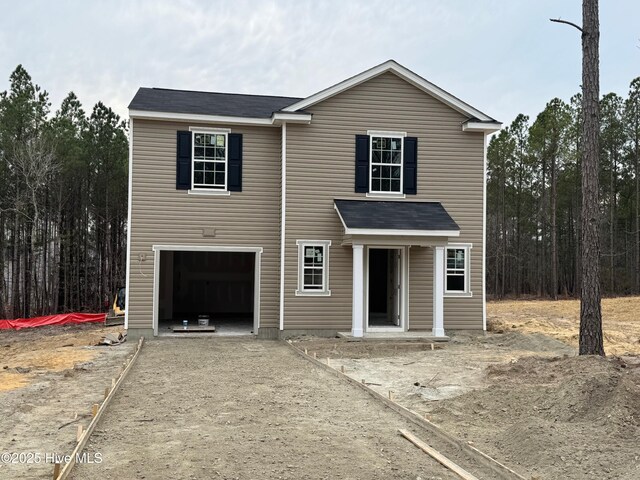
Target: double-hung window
(457, 270)
(313, 267)
(209, 156)
(386, 164)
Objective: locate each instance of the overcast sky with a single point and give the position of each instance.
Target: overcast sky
(503, 57)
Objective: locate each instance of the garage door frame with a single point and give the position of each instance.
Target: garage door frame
(157, 249)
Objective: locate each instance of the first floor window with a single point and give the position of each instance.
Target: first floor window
(209, 160)
(457, 269)
(386, 164)
(313, 261)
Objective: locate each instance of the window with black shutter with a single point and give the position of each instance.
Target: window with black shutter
(209, 160)
(386, 163)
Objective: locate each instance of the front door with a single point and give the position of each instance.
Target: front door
(384, 297)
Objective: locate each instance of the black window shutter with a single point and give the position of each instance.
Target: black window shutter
(410, 165)
(362, 163)
(183, 161)
(234, 178)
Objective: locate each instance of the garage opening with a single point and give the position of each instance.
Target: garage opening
(199, 287)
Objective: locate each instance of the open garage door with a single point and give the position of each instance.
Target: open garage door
(196, 286)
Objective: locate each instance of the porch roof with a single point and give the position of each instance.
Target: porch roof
(401, 218)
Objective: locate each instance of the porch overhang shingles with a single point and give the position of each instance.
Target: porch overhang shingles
(408, 223)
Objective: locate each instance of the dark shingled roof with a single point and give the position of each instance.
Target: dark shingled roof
(208, 103)
(395, 215)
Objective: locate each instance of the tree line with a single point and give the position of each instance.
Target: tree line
(63, 202)
(534, 200)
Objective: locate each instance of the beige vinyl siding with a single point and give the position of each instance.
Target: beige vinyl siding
(420, 284)
(321, 167)
(163, 215)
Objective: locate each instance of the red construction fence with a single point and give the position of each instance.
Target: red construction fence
(61, 319)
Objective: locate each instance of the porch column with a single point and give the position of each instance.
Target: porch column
(357, 328)
(438, 291)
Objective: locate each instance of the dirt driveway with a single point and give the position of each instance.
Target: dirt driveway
(203, 408)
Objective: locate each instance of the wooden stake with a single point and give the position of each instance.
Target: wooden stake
(305, 352)
(432, 346)
(328, 361)
(342, 368)
(390, 395)
(79, 434)
(315, 355)
(113, 383)
(56, 471)
(94, 409)
(106, 392)
(461, 472)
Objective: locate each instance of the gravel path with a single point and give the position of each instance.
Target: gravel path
(203, 408)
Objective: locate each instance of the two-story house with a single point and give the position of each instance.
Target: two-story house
(360, 209)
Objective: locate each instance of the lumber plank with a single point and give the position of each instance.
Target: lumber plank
(66, 471)
(432, 452)
(500, 470)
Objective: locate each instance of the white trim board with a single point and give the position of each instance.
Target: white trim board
(486, 127)
(402, 72)
(157, 249)
(283, 213)
(403, 233)
(274, 121)
(129, 210)
(484, 237)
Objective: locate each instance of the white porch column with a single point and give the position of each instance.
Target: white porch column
(438, 291)
(357, 328)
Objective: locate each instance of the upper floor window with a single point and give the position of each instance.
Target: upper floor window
(209, 160)
(386, 164)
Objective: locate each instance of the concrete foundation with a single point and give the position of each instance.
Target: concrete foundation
(134, 334)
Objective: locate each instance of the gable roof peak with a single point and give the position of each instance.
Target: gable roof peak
(404, 73)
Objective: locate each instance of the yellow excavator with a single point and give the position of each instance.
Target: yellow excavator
(117, 310)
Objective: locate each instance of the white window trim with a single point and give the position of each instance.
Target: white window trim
(300, 291)
(215, 190)
(386, 134)
(209, 191)
(467, 271)
(385, 195)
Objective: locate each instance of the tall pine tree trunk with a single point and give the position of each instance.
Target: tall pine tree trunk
(554, 236)
(590, 309)
(637, 211)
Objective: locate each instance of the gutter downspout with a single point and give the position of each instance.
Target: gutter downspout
(283, 220)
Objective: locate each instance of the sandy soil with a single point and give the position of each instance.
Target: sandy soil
(561, 320)
(205, 408)
(525, 399)
(47, 375)
(570, 418)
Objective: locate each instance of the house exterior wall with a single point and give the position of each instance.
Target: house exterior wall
(321, 168)
(160, 214)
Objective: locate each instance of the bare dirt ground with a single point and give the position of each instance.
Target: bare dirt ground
(47, 375)
(523, 398)
(561, 320)
(205, 408)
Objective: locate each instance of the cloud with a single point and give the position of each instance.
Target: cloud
(503, 57)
